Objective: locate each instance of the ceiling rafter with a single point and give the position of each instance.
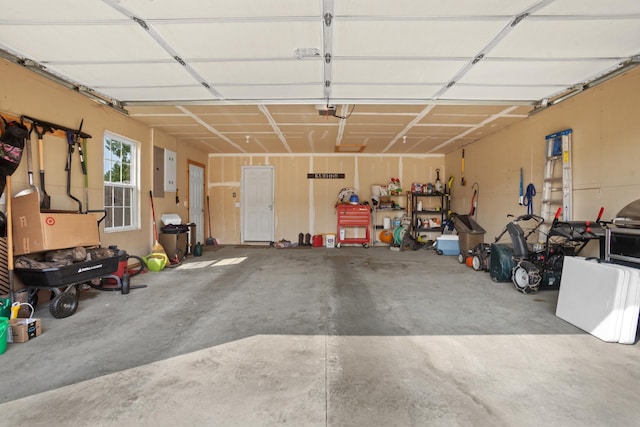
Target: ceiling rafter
(413, 122)
(275, 127)
(493, 117)
(210, 128)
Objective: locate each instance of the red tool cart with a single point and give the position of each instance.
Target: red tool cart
(353, 216)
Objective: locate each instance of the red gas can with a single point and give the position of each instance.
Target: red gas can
(317, 241)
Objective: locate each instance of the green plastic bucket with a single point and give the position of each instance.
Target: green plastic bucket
(5, 307)
(4, 331)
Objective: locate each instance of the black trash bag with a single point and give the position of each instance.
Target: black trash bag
(12, 138)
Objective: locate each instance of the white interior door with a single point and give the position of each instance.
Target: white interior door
(196, 201)
(257, 204)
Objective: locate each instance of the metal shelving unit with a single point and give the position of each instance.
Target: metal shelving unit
(424, 207)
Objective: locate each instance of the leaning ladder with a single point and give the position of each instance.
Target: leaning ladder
(557, 185)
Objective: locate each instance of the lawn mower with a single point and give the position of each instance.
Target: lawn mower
(540, 264)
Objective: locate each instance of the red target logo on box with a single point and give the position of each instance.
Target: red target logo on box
(50, 220)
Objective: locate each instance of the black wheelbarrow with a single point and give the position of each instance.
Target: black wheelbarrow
(65, 281)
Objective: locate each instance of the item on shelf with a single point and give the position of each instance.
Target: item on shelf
(344, 196)
(416, 187)
(394, 186)
(386, 223)
(438, 186)
(428, 213)
(386, 236)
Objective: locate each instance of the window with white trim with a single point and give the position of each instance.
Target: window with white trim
(120, 183)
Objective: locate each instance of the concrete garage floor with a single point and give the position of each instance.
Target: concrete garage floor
(312, 337)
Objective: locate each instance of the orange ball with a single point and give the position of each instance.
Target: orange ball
(386, 236)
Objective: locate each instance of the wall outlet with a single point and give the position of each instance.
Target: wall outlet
(237, 204)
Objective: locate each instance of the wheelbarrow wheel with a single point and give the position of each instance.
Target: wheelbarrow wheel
(64, 305)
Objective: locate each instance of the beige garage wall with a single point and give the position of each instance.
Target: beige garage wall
(606, 156)
(25, 93)
(305, 205)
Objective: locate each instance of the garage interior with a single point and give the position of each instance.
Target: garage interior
(326, 96)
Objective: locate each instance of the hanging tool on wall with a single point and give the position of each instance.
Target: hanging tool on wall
(528, 198)
(27, 148)
(521, 198)
(462, 182)
(474, 200)
(82, 149)
(45, 201)
(72, 136)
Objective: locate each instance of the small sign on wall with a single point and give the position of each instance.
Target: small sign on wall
(325, 175)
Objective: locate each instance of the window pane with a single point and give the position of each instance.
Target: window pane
(120, 187)
(126, 178)
(126, 153)
(108, 195)
(117, 217)
(127, 217)
(118, 196)
(109, 219)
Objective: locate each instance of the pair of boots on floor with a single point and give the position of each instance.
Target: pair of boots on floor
(304, 239)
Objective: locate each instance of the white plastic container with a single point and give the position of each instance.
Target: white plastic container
(330, 240)
(386, 223)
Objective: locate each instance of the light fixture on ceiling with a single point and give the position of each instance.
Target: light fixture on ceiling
(247, 138)
(404, 139)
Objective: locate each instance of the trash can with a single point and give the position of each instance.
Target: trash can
(174, 241)
(469, 232)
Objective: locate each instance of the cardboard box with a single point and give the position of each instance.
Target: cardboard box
(25, 329)
(38, 232)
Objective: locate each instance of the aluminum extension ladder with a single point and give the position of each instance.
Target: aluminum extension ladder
(557, 186)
